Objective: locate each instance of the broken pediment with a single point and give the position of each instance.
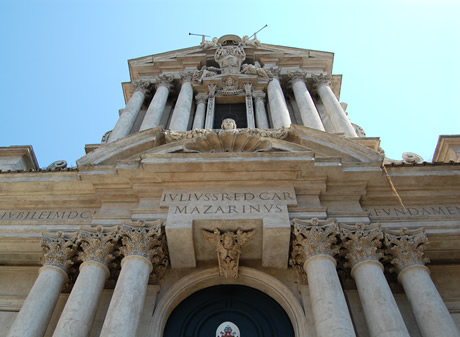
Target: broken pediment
(156, 141)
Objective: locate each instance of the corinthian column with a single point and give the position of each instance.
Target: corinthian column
(79, 312)
(308, 113)
(198, 121)
(261, 114)
(334, 110)
(140, 246)
(380, 309)
(130, 112)
(278, 109)
(313, 249)
(35, 314)
(431, 314)
(154, 113)
(181, 113)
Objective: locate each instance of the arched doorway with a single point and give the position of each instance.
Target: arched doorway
(250, 310)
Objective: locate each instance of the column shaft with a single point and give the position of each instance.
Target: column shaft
(155, 111)
(79, 312)
(125, 308)
(380, 309)
(308, 113)
(127, 118)
(329, 306)
(278, 108)
(181, 113)
(38, 307)
(433, 318)
(336, 114)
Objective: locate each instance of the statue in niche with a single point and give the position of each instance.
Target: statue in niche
(228, 248)
(230, 58)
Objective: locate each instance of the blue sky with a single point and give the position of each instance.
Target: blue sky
(62, 63)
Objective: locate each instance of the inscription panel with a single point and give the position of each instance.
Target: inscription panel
(416, 211)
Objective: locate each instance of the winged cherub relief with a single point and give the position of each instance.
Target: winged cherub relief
(228, 247)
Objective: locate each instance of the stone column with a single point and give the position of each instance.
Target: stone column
(35, 314)
(198, 121)
(278, 108)
(181, 113)
(380, 309)
(141, 245)
(308, 113)
(77, 317)
(431, 314)
(249, 106)
(130, 112)
(154, 113)
(334, 110)
(211, 105)
(313, 249)
(261, 113)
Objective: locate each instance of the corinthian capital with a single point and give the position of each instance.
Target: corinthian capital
(142, 86)
(140, 240)
(297, 75)
(319, 80)
(163, 81)
(363, 242)
(57, 250)
(201, 98)
(258, 95)
(96, 245)
(313, 238)
(186, 76)
(406, 247)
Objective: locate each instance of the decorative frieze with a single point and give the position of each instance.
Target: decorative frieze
(228, 247)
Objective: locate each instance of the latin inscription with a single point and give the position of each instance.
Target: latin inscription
(46, 215)
(415, 211)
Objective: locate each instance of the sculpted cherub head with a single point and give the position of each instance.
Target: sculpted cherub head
(228, 124)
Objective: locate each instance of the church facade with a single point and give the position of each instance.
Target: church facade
(233, 197)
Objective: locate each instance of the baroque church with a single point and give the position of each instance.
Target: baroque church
(233, 197)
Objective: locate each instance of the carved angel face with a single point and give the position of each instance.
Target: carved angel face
(228, 124)
(228, 241)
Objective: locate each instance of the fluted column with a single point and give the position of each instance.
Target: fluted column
(128, 116)
(431, 314)
(155, 110)
(278, 109)
(140, 246)
(249, 106)
(261, 113)
(308, 113)
(35, 314)
(181, 113)
(79, 312)
(209, 123)
(380, 309)
(198, 121)
(313, 249)
(334, 110)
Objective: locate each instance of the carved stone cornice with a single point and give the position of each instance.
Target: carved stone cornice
(97, 245)
(58, 251)
(297, 75)
(406, 247)
(139, 240)
(163, 81)
(319, 80)
(363, 242)
(258, 95)
(142, 86)
(201, 98)
(228, 247)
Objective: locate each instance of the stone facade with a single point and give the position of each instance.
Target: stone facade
(288, 197)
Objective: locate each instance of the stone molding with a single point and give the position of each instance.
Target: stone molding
(228, 247)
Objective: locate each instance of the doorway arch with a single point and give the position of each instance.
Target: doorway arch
(247, 277)
(239, 308)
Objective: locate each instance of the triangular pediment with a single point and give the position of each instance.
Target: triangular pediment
(299, 139)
